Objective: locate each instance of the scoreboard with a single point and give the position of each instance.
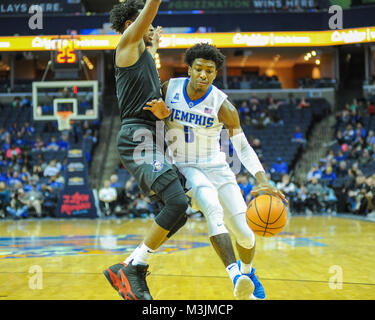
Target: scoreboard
(65, 57)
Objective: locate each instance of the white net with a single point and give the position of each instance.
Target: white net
(63, 120)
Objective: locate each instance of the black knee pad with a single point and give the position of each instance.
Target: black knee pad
(178, 225)
(175, 205)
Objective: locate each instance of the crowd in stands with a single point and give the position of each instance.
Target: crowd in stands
(32, 162)
(125, 200)
(253, 81)
(317, 83)
(344, 180)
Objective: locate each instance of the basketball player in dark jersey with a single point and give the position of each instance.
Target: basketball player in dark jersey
(137, 83)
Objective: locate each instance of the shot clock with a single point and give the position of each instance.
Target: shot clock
(65, 57)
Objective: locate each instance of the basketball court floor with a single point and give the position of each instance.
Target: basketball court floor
(314, 258)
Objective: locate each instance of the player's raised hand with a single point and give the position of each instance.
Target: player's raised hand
(158, 108)
(266, 188)
(157, 36)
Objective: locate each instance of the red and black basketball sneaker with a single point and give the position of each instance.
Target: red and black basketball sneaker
(114, 280)
(133, 279)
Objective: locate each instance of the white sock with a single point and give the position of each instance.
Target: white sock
(233, 270)
(143, 255)
(132, 255)
(245, 268)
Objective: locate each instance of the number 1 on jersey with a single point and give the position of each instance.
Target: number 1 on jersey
(189, 134)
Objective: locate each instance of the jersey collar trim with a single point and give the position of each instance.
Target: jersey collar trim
(190, 102)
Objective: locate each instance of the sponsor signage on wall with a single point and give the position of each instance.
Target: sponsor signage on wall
(186, 40)
(241, 5)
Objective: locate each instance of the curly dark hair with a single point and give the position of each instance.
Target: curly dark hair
(204, 51)
(124, 11)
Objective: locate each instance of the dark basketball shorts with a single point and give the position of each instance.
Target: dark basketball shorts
(144, 159)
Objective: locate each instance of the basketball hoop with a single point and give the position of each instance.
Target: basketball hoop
(63, 120)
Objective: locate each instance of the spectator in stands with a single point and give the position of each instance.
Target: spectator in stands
(355, 117)
(244, 112)
(16, 103)
(33, 199)
(52, 169)
(14, 129)
(365, 159)
(25, 174)
(39, 167)
(257, 146)
(28, 128)
(142, 206)
(280, 166)
(17, 208)
(245, 83)
(298, 136)
(360, 131)
(303, 104)
(330, 156)
(340, 138)
(300, 204)
(370, 137)
(328, 176)
(38, 144)
(342, 170)
(314, 196)
(341, 156)
(19, 140)
(348, 134)
(55, 183)
(53, 145)
(357, 196)
(370, 108)
(3, 134)
(50, 200)
(354, 105)
(289, 189)
(244, 185)
(329, 200)
(4, 198)
(356, 170)
(314, 172)
(64, 142)
(234, 84)
(291, 99)
(14, 179)
(13, 151)
(254, 100)
(131, 188)
(107, 198)
(273, 111)
(114, 181)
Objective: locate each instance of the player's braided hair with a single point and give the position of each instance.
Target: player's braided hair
(124, 11)
(204, 51)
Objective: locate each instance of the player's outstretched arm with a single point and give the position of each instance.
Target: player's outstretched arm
(228, 115)
(133, 34)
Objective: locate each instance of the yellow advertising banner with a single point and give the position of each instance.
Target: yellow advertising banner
(186, 40)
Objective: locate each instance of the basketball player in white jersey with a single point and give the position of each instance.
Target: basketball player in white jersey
(195, 112)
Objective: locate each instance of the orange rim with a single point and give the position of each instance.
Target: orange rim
(65, 114)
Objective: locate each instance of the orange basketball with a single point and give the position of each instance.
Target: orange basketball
(266, 215)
